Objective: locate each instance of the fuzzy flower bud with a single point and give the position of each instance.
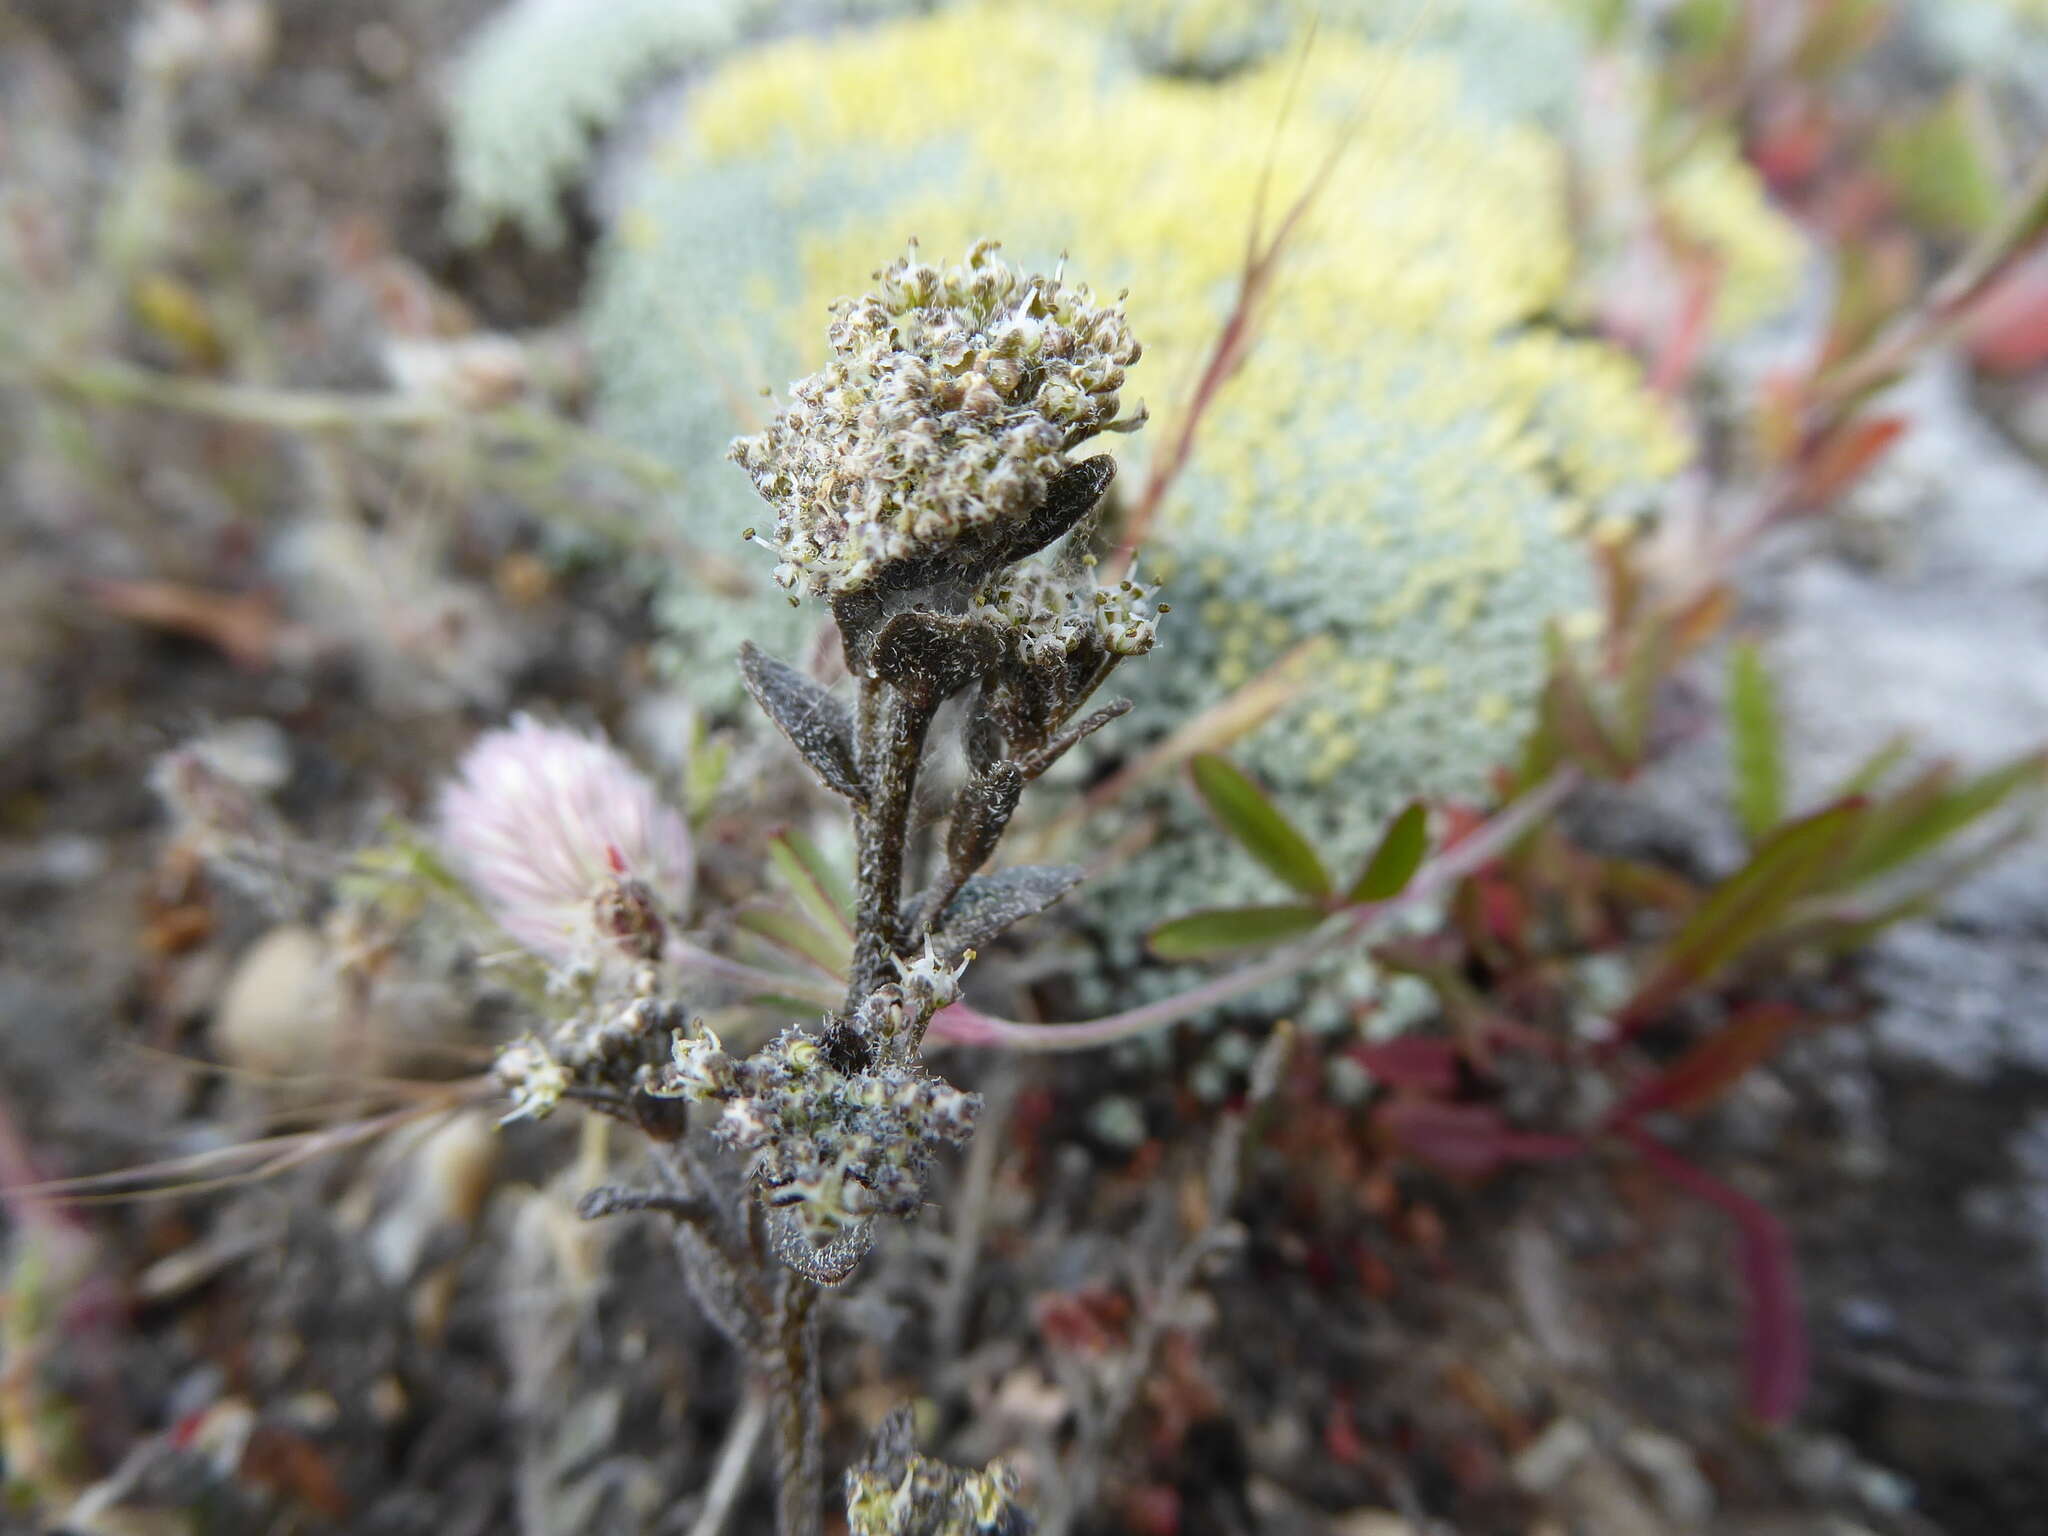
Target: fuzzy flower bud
(949, 408)
(566, 843)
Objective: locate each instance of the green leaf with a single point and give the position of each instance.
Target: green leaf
(1649, 662)
(1714, 1065)
(1745, 907)
(1704, 26)
(1876, 768)
(1874, 281)
(1395, 860)
(1943, 165)
(1217, 932)
(1757, 758)
(1247, 815)
(830, 951)
(1836, 32)
(817, 886)
(1927, 813)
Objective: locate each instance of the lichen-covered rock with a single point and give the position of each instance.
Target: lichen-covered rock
(542, 78)
(1516, 59)
(541, 81)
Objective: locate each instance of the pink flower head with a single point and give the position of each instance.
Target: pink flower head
(558, 834)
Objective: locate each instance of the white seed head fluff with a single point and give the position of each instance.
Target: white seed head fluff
(542, 820)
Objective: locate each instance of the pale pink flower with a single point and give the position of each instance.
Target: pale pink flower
(548, 825)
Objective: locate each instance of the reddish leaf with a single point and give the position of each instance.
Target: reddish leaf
(2007, 328)
(1426, 1066)
(1775, 1350)
(1789, 144)
(1842, 458)
(1621, 582)
(1713, 1066)
(1575, 721)
(1699, 621)
(1780, 408)
(1501, 909)
(1470, 1139)
(1685, 339)
(1340, 1436)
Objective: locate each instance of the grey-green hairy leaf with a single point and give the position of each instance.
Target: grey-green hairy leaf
(988, 904)
(943, 652)
(818, 725)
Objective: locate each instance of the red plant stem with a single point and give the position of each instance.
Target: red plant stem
(1777, 1348)
(1231, 344)
(1228, 354)
(962, 1025)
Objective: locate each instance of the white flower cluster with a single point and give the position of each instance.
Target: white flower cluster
(949, 407)
(1056, 615)
(839, 1128)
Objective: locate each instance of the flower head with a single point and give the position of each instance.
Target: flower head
(841, 1126)
(939, 427)
(566, 842)
(894, 1491)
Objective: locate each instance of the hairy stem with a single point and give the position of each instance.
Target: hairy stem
(793, 1377)
(884, 828)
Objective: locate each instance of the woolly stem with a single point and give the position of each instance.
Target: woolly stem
(883, 828)
(793, 1379)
